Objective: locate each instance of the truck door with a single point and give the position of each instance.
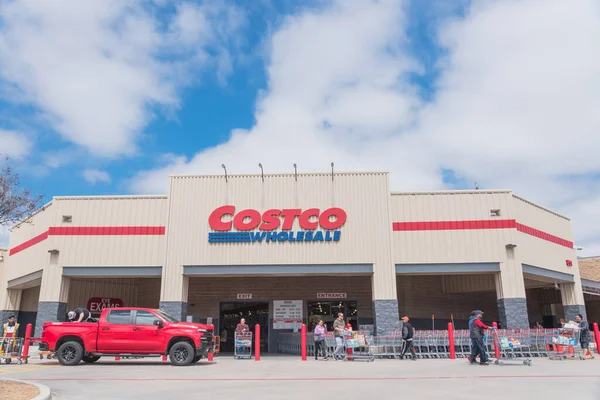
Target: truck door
(149, 338)
(115, 334)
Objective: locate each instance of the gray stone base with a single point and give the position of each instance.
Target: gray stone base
(49, 311)
(513, 312)
(572, 311)
(176, 309)
(5, 314)
(385, 316)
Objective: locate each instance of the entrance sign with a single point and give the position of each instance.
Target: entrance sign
(245, 222)
(331, 295)
(244, 296)
(97, 304)
(287, 314)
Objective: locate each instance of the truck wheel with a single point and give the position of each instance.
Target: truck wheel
(90, 359)
(182, 353)
(70, 353)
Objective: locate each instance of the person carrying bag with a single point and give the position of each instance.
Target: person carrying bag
(320, 340)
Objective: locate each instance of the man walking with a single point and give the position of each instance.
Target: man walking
(338, 332)
(407, 339)
(477, 332)
(584, 335)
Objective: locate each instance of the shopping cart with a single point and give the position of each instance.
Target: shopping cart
(566, 344)
(511, 348)
(10, 348)
(243, 345)
(358, 346)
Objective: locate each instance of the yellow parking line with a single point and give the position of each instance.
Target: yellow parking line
(25, 368)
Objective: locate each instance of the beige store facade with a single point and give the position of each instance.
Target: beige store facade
(284, 249)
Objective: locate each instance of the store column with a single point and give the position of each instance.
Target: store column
(54, 294)
(174, 293)
(510, 291)
(385, 299)
(572, 299)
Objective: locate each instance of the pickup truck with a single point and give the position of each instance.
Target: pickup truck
(128, 332)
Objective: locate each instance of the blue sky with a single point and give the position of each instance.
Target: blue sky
(111, 97)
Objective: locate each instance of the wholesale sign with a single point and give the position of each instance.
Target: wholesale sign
(275, 225)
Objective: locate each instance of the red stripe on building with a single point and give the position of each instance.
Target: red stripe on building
(479, 224)
(89, 231)
(544, 236)
(455, 225)
(106, 230)
(29, 243)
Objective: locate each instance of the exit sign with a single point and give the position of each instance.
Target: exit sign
(244, 296)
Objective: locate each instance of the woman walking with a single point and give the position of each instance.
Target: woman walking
(319, 332)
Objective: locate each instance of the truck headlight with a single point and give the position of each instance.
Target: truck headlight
(202, 330)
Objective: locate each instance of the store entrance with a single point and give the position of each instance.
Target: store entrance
(253, 312)
(328, 312)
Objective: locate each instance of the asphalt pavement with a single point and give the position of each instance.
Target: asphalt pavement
(290, 378)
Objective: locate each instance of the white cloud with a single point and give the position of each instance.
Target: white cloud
(13, 144)
(515, 104)
(94, 176)
(96, 68)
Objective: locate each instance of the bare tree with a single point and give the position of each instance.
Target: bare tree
(16, 203)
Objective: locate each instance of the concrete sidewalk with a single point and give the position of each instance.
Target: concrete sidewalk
(290, 378)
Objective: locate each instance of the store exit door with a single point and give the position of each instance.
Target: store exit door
(253, 312)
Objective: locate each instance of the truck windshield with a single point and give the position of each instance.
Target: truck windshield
(166, 316)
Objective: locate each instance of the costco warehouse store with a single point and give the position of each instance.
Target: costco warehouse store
(281, 250)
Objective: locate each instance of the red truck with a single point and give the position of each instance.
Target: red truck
(128, 332)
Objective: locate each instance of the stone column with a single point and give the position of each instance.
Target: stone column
(176, 309)
(385, 316)
(572, 299)
(510, 291)
(174, 294)
(54, 295)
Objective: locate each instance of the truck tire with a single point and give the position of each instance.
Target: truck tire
(70, 353)
(90, 359)
(182, 353)
(196, 359)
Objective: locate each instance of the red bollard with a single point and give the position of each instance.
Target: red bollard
(257, 342)
(211, 355)
(451, 344)
(597, 337)
(25, 352)
(496, 344)
(303, 342)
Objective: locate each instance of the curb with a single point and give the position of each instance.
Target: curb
(45, 393)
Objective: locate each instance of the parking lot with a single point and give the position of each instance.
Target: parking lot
(290, 378)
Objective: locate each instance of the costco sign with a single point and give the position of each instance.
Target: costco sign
(275, 225)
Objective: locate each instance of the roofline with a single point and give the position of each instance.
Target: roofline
(467, 191)
(39, 210)
(588, 257)
(257, 175)
(132, 196)
(541, 207)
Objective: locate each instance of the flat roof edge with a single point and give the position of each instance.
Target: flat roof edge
(540, 207)
(113, 197)
(273, 175)
(468, 191)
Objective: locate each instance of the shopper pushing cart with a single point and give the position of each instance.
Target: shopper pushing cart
(584, 335)
(242, 341)
(477, 332)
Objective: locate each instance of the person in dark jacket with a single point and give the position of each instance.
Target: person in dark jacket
(584, 335)
(477, 332)
(407, 339)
